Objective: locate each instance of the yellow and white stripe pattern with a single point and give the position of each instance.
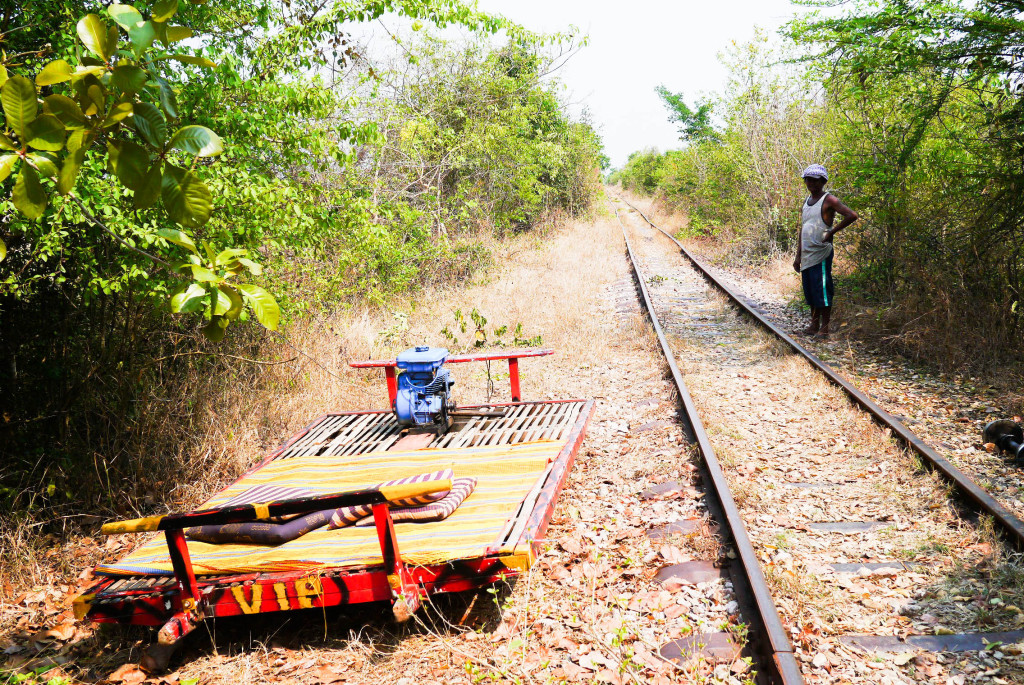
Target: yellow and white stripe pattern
(505, 475)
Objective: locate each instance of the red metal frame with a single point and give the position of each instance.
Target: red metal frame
(393, 581)
(187, 603)
(513, 357)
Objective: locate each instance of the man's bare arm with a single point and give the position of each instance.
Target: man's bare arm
(849, 216)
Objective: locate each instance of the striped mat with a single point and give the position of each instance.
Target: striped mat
(505, 475)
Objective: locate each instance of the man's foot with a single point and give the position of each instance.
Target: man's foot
(810, 330)
(822, 333)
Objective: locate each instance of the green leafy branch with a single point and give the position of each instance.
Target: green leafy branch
(480, 336)
(115, 106)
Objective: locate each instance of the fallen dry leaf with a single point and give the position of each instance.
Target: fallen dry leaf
(128, 673)
(65, 631)
(325, 675)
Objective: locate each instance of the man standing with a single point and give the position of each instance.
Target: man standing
(814, 258)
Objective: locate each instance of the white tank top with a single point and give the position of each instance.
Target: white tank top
(813, 248)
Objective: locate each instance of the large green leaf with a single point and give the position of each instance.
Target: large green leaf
(3, 250)
(201, 273)
(65, 109)
(45, 163)
(176, 33)
(254, 268)
(225, 257)
(118, 112)
(215, 329)
(235, 300)
(57, 71)
(29, 196)
(7, 163)
(125, 15)
(188, 299)
(6, 143)
(130, 161)
(197, 140)
(187, 199)
(164, 9)
(112, 37)
(221, 302)
(173, 235)
(90, 70)
(90, 95)
(150, 124)
(168, 100)
(18, 97)
(45, 132)
(80, 139)
(69, 171)
(263, 304)
(128, 78)
(93, 33)
(148, 191)
(3, 75)
(142, 36)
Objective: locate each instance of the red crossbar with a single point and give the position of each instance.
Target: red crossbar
(458, 358)
(513, 357)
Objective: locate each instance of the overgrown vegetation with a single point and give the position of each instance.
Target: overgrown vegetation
(916, 108)
(352, 180)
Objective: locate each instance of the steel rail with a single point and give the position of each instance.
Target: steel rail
(783, 660)
(1010, 524)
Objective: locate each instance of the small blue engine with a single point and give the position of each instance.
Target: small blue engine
(423, 388)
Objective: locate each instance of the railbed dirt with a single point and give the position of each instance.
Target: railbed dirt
(799, 455)
(589, 611)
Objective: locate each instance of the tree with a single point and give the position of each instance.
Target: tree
(931, 133)
(695, 124)
(107, 111)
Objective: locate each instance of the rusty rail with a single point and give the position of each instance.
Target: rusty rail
(779, 650)
(1012, 526)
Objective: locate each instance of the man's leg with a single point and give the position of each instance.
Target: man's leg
(826, 317)
(809, 284)
(815, 325)
(827, 291)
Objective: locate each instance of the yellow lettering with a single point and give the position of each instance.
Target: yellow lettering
(252, 607)
(305, 588)
(282, 597)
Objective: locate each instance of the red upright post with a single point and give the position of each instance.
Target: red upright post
(405, 595)
(513, 377)
(389, 372)
(187, 602)
(183, 573)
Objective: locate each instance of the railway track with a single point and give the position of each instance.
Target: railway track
(856, 564)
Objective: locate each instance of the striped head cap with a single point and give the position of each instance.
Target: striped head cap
(815, 171)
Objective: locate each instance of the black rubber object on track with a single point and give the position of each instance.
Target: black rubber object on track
(1012, 526)
(782, 661)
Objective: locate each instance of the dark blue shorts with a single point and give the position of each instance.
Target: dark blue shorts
(818, 287)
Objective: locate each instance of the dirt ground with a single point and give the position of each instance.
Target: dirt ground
(589, 611)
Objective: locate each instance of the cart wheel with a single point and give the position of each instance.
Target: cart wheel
(998, 429)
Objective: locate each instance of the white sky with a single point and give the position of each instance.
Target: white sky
(634, 46)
